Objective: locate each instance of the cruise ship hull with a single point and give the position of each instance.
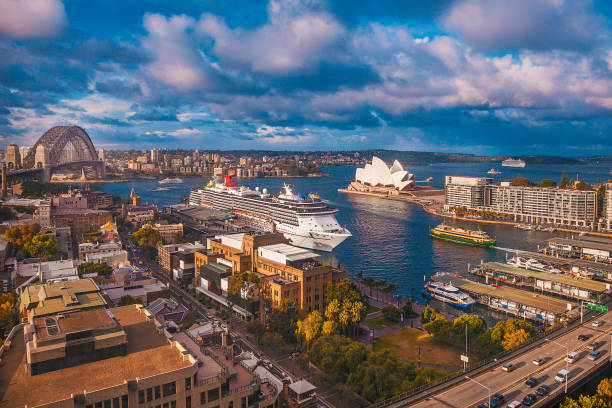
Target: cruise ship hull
(459, 240)
(320, 241)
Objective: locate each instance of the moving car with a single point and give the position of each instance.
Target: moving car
(561, 375)
(594, 355)
(513, 404)
(531, 382)
(571, 357)
(597, 323)
(538, 361)
(497, 400)
(543, 390)
(592, 346)
(530, 399)
(508, 367)
(583, 337)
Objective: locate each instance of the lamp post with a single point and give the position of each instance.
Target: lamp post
(566, 362)
(483, 386)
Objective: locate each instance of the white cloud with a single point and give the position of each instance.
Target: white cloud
(23, 19)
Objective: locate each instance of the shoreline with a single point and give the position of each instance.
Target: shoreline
(426, 205)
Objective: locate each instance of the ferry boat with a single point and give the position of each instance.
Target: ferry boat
(461, 235)
(306, 221)
(493, 171)
(513, 163)
(449, 294)
(171, 181)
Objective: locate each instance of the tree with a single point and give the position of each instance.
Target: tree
(392, 313)
(601, 399)
(7, 311)
(42, 246)
(547, 183)
(283, 320)
(428, 314)
(565, 181)
(475, 327)
(256, 328)
(520, 181)
(102, 270)
(581, 185)
(147, 238)
(309, 329)
(20, 235)
(7, 214)
(330, 328)
(129, 300)
(92, 237)
(440, 328)
(515, 338)
(245, 285)
(347, 305)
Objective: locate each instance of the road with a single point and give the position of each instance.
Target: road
(512, 384)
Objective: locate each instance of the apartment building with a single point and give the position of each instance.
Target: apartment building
(178, 259)
(465, 191)
(607, 207)
(286, 272)
(169, 233)
(80, 220)
(119, 358)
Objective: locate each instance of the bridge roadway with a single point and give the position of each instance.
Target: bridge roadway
(512, 384)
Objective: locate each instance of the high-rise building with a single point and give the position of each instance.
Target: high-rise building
(466, 192)
(607, 206)
(155, 153)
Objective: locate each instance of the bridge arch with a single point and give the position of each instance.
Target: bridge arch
(56, 140)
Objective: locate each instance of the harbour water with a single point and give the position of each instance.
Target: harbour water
(390, 238)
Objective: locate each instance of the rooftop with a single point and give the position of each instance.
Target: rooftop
(285, 253)
(302, 386)
(73, 322)
(586, 284)
(148, 353)
(50, 269)
(584, 243)
(68, 211)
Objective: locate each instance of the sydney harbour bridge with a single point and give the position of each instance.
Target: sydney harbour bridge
(58, 148)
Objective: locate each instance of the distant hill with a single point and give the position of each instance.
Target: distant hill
(432, 157)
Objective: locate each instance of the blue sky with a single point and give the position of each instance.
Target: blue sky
(474, 76)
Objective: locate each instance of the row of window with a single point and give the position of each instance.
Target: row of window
(116, 402)
(157, 392)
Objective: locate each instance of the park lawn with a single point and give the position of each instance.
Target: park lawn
(379, 322)
(404, 345)
(372, 309)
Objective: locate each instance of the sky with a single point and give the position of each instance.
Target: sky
(471, 76)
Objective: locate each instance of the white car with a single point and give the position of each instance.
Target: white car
(514, 404)
(538, 361)
(597, 323)
(571, 357)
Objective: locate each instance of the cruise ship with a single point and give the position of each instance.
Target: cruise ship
(513, 163)
(447, 293)
(461, 235)
(170, 181)
(306, 221)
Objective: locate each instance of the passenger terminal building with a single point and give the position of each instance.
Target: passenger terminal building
(534, 205)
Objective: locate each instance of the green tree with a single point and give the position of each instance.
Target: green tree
(515, 339)
(520, 181)
(42, 246)
(392, 313)
(245, 285)
(102, 270)
(283, 320)
(92, 237)
(309, 329)
(601, 399)
(475, 327)
(440, 328)
(7, 312)
(7, 214)
(565, 181)
(147, 238)
(347, 306)
(547, 183)
(256, 328)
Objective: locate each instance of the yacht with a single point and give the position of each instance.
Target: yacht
(171, 181)
(493, 171)
(306, 221)
(447, 293)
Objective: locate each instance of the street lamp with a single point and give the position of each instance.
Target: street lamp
(566, 362)
(483, 386)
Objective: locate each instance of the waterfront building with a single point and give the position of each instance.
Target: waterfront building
(540, 205)
(44, 299)
(586, 247)
(123, 357)
(378, 174)
(468, 192)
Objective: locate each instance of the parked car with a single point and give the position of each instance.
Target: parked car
(530, 399)
(583, 337)
(508, 367)
(571, 357)
(538, 361)
(594, 355)
(543, 390)
(597, 323)
(592, 346)
(531, 382)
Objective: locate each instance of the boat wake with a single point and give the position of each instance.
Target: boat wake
(512, 250)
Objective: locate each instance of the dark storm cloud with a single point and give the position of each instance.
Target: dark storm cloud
(154, 115)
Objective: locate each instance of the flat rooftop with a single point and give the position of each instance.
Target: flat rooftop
(562, 261)
(285, 253)
(581, 283)
(74, 322)
(584, 243)
(148, 353)
(523, 297)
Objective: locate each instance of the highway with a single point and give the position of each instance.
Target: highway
(512, 384)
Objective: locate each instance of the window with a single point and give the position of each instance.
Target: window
(141, 396)
(116, 402)
(243, 402)
(166, 405)
(107, 403)
(187, 383)
(157, 392)
(89, 406)
(203, 398)
(172, 404)
(231, 404)
(169, 389)
(188, 402)
(149, 394)
(124, 401)
(98, 404)
(213, 394)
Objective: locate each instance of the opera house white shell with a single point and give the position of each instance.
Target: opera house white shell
(378, 174)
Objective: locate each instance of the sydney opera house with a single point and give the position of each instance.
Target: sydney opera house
(378, 174)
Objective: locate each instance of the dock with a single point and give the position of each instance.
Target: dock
(603, 270)
(518, 302)
(558, 283)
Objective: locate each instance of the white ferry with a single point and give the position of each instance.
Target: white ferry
(449, 294)
(171, 181)
(306, 221)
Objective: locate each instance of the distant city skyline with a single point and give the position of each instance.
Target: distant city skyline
(487, 77)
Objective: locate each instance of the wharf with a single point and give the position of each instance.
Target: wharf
(565, 285)
(527, 304)
(596, 267)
